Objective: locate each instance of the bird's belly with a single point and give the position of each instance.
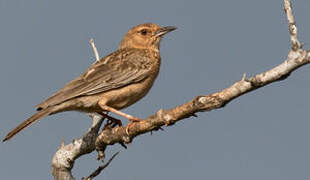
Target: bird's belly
(128, 95)
(118, 98)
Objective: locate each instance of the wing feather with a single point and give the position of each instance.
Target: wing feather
(121, 68)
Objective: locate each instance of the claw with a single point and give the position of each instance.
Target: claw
(132, 120)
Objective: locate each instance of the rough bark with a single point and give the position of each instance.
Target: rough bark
(64, 158)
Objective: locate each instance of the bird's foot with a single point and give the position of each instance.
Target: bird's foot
(132, 120)
(112, 121)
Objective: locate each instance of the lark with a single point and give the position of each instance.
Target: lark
(112, 83)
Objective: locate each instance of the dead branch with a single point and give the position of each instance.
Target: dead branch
(63, 160)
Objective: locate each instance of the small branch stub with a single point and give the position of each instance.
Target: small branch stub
(92, 43)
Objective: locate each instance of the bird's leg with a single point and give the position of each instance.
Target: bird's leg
(127, 116)
(131, 118)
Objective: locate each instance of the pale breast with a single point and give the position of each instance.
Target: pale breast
(126, 96)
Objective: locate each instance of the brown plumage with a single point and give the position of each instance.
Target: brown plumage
(113, 83)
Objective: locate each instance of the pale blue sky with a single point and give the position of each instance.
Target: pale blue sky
(261, 135)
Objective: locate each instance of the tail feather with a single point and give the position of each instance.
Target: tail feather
(28, 122)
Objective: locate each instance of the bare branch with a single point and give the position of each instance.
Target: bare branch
(64, 158)
(292, 25)
(209, 102)
(296, 58)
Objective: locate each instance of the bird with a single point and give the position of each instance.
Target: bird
(115, 82)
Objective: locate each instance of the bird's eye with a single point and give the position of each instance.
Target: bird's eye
(143, 32)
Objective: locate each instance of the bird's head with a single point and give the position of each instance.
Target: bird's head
(145, 36)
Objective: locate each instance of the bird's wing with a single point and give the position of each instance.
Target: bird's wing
(116, 70)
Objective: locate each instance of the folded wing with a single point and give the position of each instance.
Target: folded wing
(121, 68)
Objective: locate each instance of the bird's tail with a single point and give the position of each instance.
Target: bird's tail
(28, 122)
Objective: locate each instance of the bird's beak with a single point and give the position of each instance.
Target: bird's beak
(164, 30)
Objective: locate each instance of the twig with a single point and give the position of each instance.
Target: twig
(292, 25)
(100, 168)
(92, 43)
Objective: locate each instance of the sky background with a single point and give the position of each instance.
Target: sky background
(261, 135)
